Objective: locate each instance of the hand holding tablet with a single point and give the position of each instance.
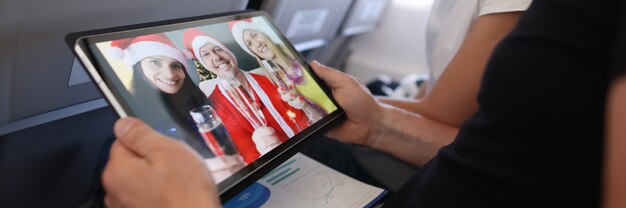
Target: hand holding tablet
(145, 156)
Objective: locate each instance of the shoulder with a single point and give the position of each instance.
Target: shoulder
(216, 96)
(486, 7)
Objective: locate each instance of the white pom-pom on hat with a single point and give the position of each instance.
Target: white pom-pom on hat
(116, 53)
(187, 54)
(133, 50)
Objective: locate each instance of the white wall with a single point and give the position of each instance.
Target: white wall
(397, 47)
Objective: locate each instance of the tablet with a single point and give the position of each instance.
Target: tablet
(231, 86)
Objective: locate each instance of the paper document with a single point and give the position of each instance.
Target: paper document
(304, 182)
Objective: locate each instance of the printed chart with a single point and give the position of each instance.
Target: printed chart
(304, 182)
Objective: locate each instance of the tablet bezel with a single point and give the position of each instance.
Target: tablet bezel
(83, 46)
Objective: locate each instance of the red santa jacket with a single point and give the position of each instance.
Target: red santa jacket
(241, 130)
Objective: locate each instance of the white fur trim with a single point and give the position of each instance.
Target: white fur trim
(187, 54)
(140, 50)
(202, 40)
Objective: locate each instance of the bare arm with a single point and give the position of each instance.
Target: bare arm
(614, 180)
(406, 135)
(415, 130)
(409, 136)
(453, 98)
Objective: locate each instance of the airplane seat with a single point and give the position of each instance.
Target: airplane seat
(54, 164)
(364, 16)
(55, 127)
(307, 24)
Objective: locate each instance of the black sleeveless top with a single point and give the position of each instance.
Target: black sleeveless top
(537, 138)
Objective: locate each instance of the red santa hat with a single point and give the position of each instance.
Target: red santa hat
(194, 39)
(237, 28)
(133, 50)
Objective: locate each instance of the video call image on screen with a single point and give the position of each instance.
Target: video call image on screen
(232, 91)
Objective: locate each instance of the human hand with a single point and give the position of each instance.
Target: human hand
(147, 169)
(292, 97)
(361, 108)
(297, 102)
(265, 139)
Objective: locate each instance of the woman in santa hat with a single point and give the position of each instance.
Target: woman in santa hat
(161, 83)
(257, 118)
(255, 37)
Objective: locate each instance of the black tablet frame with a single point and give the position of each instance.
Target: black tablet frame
(82, 45)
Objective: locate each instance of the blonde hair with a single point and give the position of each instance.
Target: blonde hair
(282, 57)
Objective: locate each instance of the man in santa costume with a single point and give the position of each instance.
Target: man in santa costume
(281, 120)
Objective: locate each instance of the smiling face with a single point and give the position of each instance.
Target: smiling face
(258, 42)
(165, 73)
(219, 61)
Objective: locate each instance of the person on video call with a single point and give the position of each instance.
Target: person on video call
(257, 39)
(252, 142)
(161, 82)
(535, 141)
(160, 79)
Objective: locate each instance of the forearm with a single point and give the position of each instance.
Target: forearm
(452, 100)
(409, 136)
(405, 104)
(614, 181)
(412, 106)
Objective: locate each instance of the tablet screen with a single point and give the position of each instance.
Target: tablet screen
(233, 88)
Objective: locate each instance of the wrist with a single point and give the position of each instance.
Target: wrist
(379, 125)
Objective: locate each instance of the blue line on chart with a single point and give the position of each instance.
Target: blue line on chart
(278, 175)
(287, 176)
(278, 168)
